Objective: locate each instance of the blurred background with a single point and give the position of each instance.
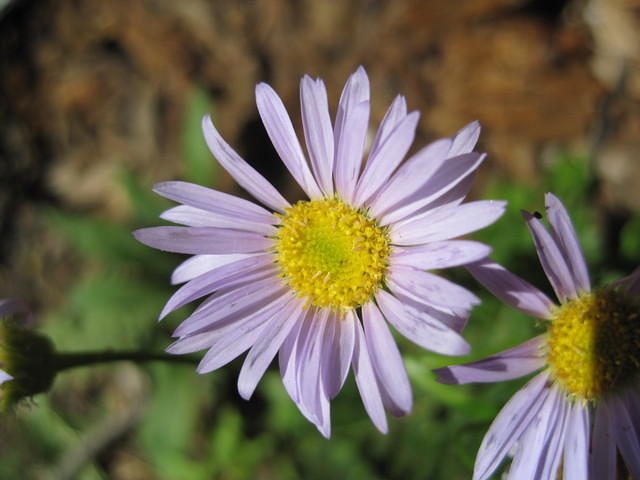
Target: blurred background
(99, 99)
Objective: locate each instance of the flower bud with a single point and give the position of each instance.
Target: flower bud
(26, 357)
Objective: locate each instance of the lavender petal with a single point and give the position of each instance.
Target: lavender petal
(318, 131)
(196, 265)
(386, 360)
(567, 241)
(395, 114)
(533, 444)
(243, 173)
(451, 173)
(340, 353)
(410, 176)
(420, 328)
(350, 131)
(202, 240)
(240, 271)
(552, 260)
(438, 255)
(266, 348)
(513, 363)
(366, 381)
(576, 448)
(465, 140)
(196, 217)
(446, 223)
(213, 201)
(438, 291)
(384, 160)
(283, 137)
(514, 418)
(511, 289)
(627, 438)
(603, 458)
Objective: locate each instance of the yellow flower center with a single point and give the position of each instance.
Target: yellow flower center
(332, 254)
(594, 343)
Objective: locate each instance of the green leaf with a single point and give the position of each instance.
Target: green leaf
(146, 204)
(106, 312)
(200, 166)
(629, 243)
(106, 241)
(568, 177)
(167, 431)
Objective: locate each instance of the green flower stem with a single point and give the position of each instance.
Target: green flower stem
(64, 361)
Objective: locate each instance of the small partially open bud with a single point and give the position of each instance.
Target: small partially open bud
(26, 357)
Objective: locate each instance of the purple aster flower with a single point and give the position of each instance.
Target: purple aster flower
(583, 410)
(315, 281)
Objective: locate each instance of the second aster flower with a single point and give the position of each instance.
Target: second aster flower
(318, 281)
(579, 418)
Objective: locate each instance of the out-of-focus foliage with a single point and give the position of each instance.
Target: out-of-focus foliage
(197, 427)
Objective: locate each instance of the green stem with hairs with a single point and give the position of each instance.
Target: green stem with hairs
(65, 361)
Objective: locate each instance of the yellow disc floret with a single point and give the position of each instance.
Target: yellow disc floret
(594, 343)
(331, 253)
